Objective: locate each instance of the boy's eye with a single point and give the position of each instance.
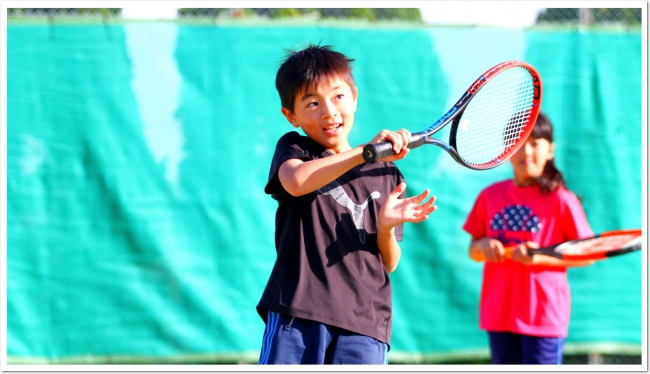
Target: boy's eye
(313, 103)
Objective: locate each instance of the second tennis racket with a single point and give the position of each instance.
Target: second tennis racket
(605, 245)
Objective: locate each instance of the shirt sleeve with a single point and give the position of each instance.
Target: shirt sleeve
(476, 224)
(288, 147)
(574, 220)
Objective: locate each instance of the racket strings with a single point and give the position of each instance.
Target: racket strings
(496, 117)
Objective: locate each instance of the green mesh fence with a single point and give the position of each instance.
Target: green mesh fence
(138, 230)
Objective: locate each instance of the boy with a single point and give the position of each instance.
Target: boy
(338, 223)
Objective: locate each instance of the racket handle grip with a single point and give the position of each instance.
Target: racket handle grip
(480, 258)
(375, 152)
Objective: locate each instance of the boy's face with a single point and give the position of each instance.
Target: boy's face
(325, 112)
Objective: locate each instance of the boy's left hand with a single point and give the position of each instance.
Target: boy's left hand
(395, 211)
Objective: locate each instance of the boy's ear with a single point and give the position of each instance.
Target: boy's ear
(290, 117)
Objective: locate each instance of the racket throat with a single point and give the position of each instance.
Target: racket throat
(449, 149)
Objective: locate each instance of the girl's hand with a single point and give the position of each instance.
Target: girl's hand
(520, 253)
(489, 250)
(395, 211)
(400, 140)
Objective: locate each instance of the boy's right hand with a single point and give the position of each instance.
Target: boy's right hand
(400, 140)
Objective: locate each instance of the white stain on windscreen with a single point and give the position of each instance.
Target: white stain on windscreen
(156, 85)
(34, 155)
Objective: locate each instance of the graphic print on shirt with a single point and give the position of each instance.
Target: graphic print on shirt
(342, 198)
(519, 220)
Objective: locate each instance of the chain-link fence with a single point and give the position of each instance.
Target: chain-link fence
(593, 358)
(628, 17)
(590, 16)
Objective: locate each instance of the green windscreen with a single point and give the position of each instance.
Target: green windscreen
(138, 230)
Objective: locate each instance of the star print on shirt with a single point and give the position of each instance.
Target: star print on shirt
(516, 218)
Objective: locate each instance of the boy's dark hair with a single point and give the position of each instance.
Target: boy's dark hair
(313, 65)
(551, 178)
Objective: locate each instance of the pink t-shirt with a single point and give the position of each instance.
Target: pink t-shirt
(530, 300)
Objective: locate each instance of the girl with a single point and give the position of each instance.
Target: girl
(525, 299)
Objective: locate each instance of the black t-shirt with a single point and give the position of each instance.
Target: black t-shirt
(328, 268)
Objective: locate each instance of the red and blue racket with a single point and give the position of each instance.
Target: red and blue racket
(489, 123)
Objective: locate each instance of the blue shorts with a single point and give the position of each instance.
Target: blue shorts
(289, 340)
(511, 348)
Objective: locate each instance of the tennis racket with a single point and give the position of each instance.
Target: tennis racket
(607, 244)
(490, 122)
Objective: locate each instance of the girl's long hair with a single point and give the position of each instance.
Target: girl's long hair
(551, 178)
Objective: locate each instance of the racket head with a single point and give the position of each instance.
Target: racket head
(498, 114)
(605, 245)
